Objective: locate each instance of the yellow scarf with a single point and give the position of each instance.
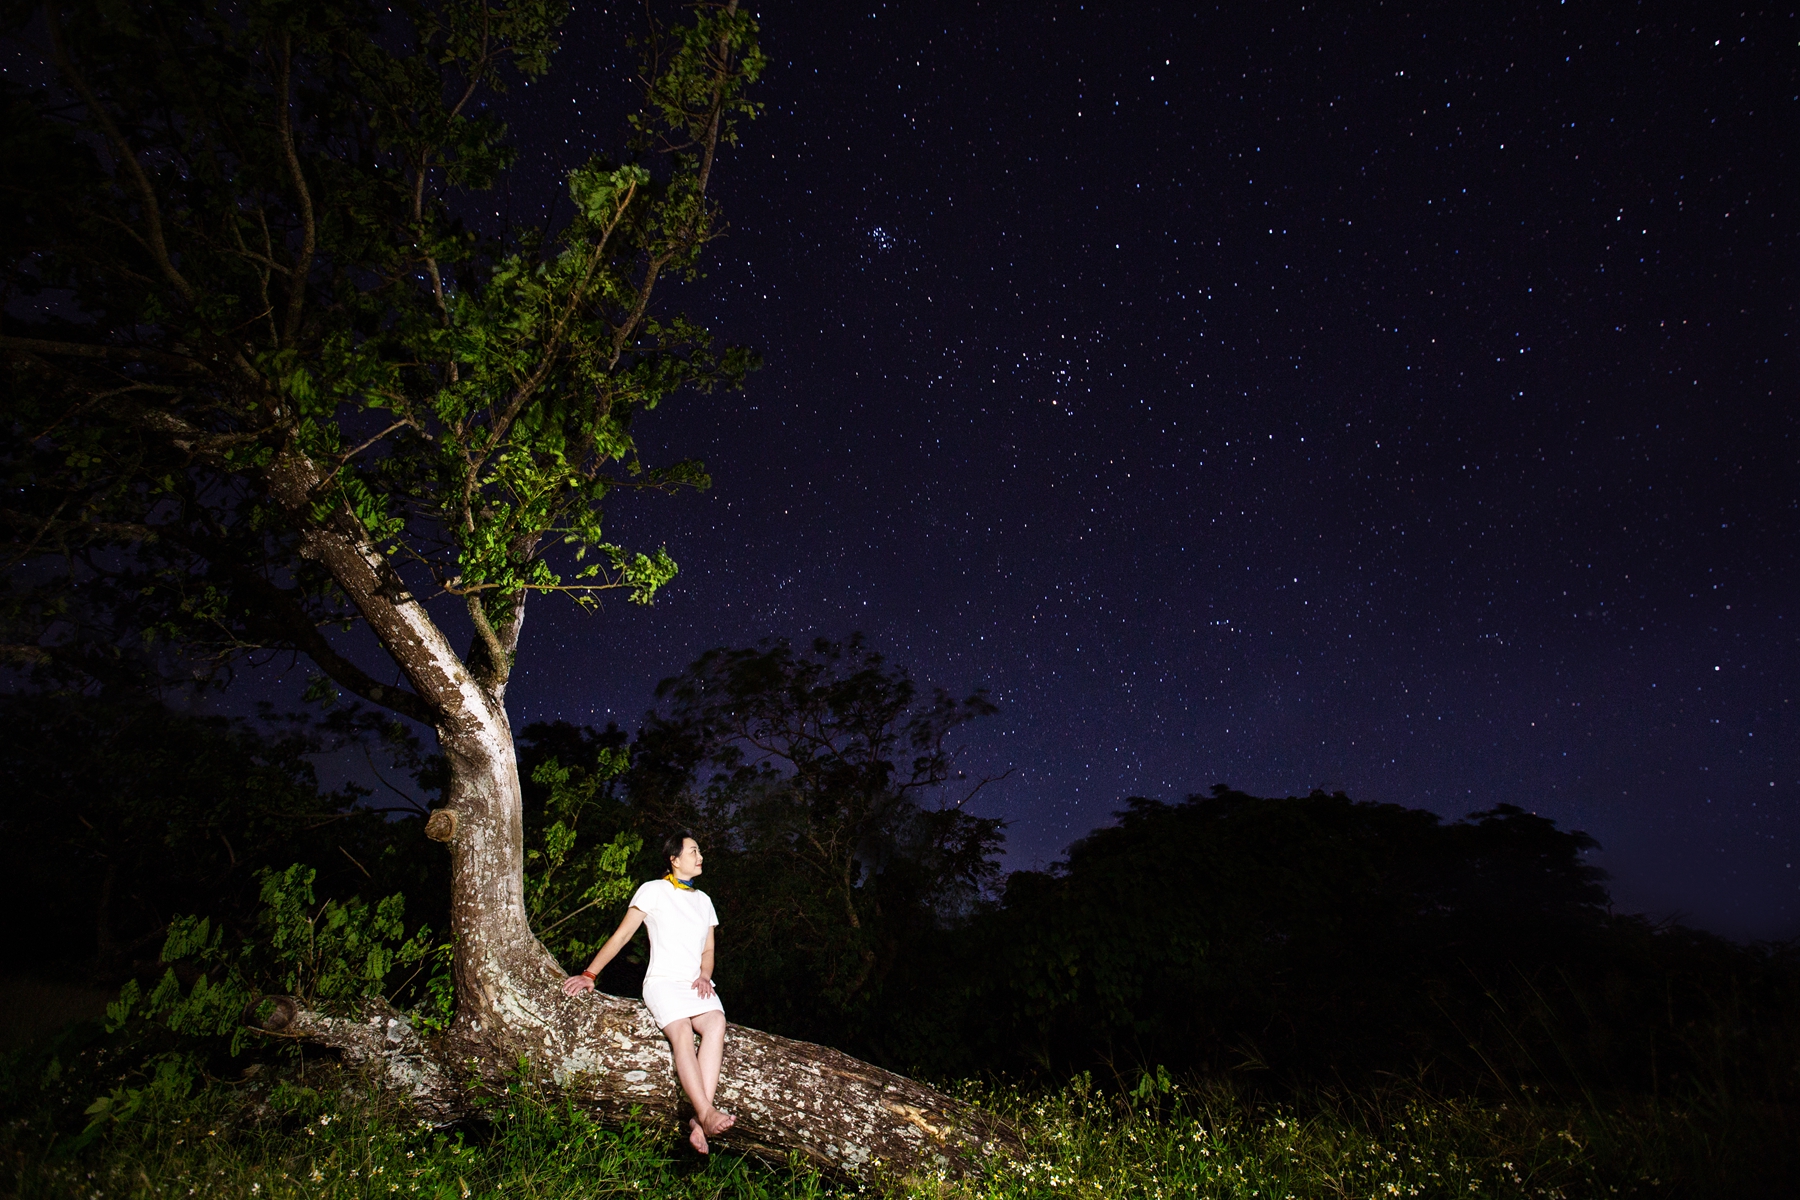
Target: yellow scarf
(680, 886)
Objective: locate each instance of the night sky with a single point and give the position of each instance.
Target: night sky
(1398, 400)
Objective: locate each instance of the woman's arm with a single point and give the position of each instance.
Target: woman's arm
(576, 984)
(703, 984)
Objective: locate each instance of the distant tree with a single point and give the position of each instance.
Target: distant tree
(267, 393)
(829, 783)
(1307, 933)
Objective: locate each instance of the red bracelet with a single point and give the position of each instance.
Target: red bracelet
(588, 975)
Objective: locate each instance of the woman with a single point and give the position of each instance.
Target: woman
(678, 987)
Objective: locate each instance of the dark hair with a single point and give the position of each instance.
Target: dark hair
(676, 842)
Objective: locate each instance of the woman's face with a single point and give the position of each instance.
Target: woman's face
(686, 865)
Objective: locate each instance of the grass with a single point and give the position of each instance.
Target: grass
(1215, 1143)
(280, 1135)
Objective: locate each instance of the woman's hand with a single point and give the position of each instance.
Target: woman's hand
(574, 985)
(703, 985)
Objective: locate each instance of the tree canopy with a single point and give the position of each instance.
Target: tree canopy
(264, 379)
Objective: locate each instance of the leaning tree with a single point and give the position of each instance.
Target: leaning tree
(269, 388)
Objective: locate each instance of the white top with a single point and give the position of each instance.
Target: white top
(677, 921)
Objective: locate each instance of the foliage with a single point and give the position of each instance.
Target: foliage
(163, 1044)
(118, 811)
(1615, 1056)
(336, 957)
(1261, 930)
(567, 877)
(586, 847)
(302, 392)
(266, 385)
(331, 956)
(824, 788)
(1303, 939)
(1310, 939)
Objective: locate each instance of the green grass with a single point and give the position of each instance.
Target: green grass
(278, 1135)
(1214, 1143)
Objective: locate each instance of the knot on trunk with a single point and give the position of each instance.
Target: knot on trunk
(280, 1017)
(440, 826)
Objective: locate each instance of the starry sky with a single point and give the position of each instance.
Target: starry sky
(1384, 397)
(1397, 399)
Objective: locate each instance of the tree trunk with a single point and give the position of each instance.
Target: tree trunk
(496, 952)
(838, 1113)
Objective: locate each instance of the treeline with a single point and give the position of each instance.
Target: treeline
(1322, 940)
(1289, 941)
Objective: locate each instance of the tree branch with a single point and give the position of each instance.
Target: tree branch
(626, 328)
(548, 358)
(985, 780)
(344, 458)
(718, 105)
(159, 249)
(500, 662)
(295, 624)
(309, 233)
(119, 530)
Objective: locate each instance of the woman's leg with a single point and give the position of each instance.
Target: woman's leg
(711, 1028)
(687, 1070)
(696, 1084)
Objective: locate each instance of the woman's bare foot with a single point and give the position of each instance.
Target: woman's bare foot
(719, 1122)
(697, 1137)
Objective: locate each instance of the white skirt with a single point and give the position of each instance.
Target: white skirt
(670, 1000)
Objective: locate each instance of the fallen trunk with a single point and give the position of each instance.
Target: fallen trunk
(842, 1115)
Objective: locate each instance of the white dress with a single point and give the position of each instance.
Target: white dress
(677, 921)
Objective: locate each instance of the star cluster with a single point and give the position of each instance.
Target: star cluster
(1398, 400)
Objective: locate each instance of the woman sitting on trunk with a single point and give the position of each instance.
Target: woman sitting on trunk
(678, 987)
